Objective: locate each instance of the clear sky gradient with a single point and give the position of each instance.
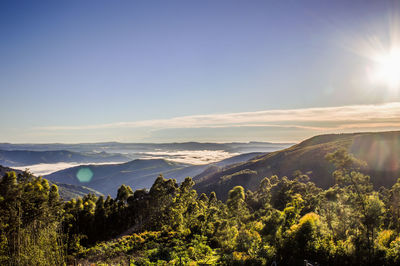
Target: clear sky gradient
(162, 71)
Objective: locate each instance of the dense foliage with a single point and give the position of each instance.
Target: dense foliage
(283, 220)
(30, 221)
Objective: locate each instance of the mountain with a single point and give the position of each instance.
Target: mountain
(380, 150)
(125, 148)
(66, 191)
(4, 170)
(138, 173)
(238, 158)
(27, 157)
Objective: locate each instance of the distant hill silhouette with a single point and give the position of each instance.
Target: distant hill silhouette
(381, 151)
(124, 148)
(27, 157)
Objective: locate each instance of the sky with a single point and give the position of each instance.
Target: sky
(174, 71)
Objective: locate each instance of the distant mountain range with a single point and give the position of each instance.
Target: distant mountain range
(126, 148)
(27, 157)
(43, 159)
(66, 191)
(381, 152)
(137, 173)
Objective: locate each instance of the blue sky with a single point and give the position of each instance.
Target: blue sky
(85, 71)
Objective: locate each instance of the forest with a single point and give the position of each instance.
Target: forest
(285, 221)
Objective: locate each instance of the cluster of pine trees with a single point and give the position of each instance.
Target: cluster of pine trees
(31, 215)
(286, 221)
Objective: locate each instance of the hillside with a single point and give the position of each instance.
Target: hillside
(28, 157)
(68, 192)
(238, 158)
(138, 173)
(381, 151)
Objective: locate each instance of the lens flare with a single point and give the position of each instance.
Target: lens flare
(387, 69)
(84, 175)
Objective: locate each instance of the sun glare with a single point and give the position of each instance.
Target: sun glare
(387, 68)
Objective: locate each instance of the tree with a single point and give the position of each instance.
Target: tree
(359, 188)
(30, 214)
(236, 203)
(124, 192)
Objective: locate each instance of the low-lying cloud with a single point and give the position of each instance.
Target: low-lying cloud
(196, 157)
(48, 168)
(289, 125)
(189, 157)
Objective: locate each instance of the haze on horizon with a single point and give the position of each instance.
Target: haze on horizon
(215, 71)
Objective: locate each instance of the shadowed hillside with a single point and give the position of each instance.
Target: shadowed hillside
(381, 152)
(138, 174)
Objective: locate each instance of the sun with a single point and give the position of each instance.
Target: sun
(386, 68)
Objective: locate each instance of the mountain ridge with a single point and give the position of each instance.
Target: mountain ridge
(309, 157)
(138, 173)
(28, 157)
